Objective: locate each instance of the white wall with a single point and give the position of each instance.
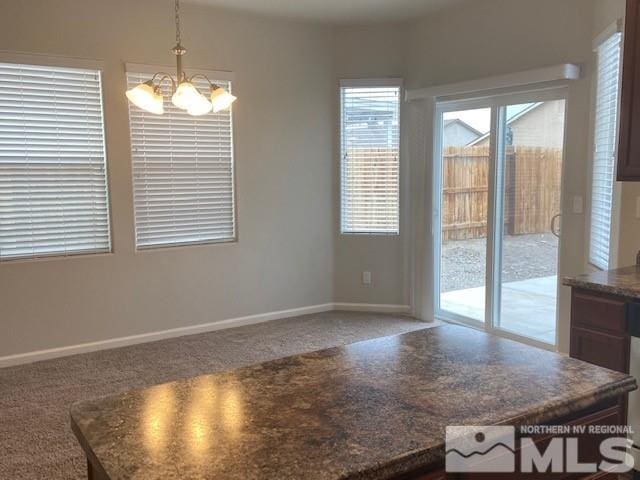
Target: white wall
(285, 175)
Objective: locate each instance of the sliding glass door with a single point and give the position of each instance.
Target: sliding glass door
(497, 195)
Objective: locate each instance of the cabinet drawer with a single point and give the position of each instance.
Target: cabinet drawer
(599, 312)
(605, 350)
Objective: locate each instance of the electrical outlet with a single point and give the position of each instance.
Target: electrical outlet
(578, 204)
(366, 278)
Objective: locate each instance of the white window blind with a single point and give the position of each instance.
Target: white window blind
(182, 173)
(370, 149)
(604, 154)
(53, 189)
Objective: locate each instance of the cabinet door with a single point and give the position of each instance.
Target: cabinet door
(629, 139)
(604, 350)
(599, 312)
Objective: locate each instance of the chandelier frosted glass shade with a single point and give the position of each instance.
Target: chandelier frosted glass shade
(221, 99)
(201, 106)
(147, 97)
(186, 96)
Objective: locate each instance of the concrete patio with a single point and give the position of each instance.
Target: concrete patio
(528, 307)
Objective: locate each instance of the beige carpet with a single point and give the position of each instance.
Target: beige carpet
(35, 439)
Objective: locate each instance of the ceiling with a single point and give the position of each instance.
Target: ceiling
(339, 12)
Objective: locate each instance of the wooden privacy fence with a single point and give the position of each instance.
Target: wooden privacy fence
(532, 190)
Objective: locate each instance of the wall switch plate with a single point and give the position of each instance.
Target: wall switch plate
(637, 207)
(366, 278)
(578, 204)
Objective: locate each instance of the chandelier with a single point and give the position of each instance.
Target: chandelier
(185, 95)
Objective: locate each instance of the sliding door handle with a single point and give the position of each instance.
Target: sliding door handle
(556, 229)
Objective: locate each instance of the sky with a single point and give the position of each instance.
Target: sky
(480, 118)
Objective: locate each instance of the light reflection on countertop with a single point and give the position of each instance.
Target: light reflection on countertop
(157, 418)
(200, 422)
(205, 413)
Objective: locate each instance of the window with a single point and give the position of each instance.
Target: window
(182, 174)
(53, 188)
(370, 150)
(604, 148)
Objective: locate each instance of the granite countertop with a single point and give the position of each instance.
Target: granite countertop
(621, 281)
(370, 410)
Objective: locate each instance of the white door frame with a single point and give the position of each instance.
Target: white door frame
(495, 207)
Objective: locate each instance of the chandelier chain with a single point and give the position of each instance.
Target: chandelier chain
(177, 18)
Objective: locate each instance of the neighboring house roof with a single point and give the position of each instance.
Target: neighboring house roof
(516, 112)
(463, 124)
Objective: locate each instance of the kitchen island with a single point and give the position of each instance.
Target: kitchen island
(376, 409)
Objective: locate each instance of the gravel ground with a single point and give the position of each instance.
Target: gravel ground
(524, 257)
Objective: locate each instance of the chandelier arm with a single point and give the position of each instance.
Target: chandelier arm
(201, 75)
(164, 76)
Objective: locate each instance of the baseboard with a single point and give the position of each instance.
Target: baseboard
(36, 356)
(372, 307)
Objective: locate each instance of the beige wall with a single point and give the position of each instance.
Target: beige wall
(285, 174)
(376, 51)
(541, 127)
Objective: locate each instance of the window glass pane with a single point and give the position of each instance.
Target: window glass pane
(463, 211)
(53, 188)
(531, 154)
(370, 144)
(182, 173)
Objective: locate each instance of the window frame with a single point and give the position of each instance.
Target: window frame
(615, 27)
(54, 61)
(397, 82)
(220, 75)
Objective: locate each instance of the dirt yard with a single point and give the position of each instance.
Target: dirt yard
(524, 257)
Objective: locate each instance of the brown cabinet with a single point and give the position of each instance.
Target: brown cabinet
(601, 349)
(599, 312)
(629, 139)
(599, 332)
